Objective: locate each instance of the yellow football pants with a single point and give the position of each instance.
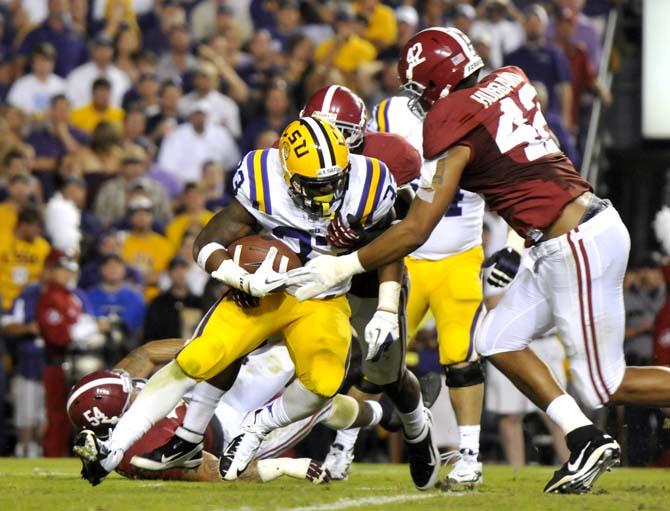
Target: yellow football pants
(317, 334)
(451, 289)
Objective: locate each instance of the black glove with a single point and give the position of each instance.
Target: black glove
(505, 264)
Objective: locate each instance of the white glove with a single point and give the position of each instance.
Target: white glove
(382, 330)
(258, 284)
(323, 273)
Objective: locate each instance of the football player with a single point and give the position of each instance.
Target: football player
(97, 402)
(490, 137)
(290, 193)
(445, 280)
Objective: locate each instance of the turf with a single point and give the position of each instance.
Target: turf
(54, 485)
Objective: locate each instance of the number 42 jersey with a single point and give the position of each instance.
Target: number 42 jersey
(461, 227)
(260, 187)
(514, 162)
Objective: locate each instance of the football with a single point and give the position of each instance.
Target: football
(250, 251)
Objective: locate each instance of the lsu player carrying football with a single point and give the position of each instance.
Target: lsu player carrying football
(445, 280)
(291, 194)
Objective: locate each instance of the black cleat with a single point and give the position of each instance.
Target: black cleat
(424, 456)
(590, 457)
(91, 452)
(176, 453)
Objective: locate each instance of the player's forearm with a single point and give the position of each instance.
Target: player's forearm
(395, 243)
(142, 361)
(390, 276)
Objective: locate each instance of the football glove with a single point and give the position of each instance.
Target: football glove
(323, 273)
(505, 264)
(345, 234)
(244, 300)
(382, 331)
(258, 284)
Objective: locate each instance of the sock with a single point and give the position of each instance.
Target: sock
(469, 438)
(204, 399)
(376, 412)
(273, 468)
(565, 412)
(158, 397)
(413, 422)
(347, 438)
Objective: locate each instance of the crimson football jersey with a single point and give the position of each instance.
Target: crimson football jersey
(398, 154)
(514, 162)
(158, 435)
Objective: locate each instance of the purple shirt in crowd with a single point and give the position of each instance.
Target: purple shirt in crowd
(70, 46)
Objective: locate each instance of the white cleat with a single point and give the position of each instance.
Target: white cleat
(466, 472)
(338, 462)
(243, 448)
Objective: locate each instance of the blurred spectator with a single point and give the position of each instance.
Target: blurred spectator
(178, 61)
(258, 70)
(482, 45)
(662, 324)
(167, 313)
(205, 141)
(288, 23)
(133, 129)
(382, 29)
(144, 95)
(109, 243)
(13, 130)
(506, 35)
(584, 77)
(87, 117)
(55, 137)
(115, 301)
(219, 107)
(18, 192)
(544, 63)
(408, 21)
(299, 67)
(126, 46)
(433, 14)
(214, 186)
(216, 51)
(80, 82)
(156, 24)
(168, 116)
(144, 249)
(62, 216)
(346, 50)
(32, 92)
(193, 215)
(22, 254)
(102, 154)
(585, 31)
(266, 139)
(463, 17)
(275, 116)
(70, 45)
(27, 347)
(565, 140)
(63, 316)
(111, 203)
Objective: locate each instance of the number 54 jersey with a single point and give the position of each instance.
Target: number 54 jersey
(514, 162)
(260, 187)
(461, 227)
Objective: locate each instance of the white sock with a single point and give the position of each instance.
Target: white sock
(377, 413)
(565, 412)
(342, 413)
(158, 397)
(413, 422)
(347, 438)
(469, 438)
(273, 468)
(203, 403)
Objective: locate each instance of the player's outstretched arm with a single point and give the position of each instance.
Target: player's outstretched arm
(400, 239)
(143, 361)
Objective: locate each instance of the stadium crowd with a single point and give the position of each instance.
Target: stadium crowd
(120, 124)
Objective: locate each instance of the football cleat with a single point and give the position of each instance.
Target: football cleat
(338, 461)
(587, 463)
(91, 452)
(424, 456)
(242, 449)
(466, 472)
(176, 453)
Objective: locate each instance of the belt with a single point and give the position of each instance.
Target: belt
(595, 206)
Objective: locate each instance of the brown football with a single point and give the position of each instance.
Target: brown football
(250, 251)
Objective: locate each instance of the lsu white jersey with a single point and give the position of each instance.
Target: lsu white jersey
(461, 227)
(260, 187)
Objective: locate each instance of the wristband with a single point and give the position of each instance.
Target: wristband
(207, 251)
(389, 296)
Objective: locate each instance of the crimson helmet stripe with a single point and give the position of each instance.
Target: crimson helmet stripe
(328, 98)
(90, 385)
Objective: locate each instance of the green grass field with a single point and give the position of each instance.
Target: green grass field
(54, 485)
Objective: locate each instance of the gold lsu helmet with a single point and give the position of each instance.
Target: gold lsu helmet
(315, 161)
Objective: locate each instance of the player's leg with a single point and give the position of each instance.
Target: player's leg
(317, 336)
(225, 334)
(456, 302)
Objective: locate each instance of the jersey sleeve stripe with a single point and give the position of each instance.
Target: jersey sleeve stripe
(250, 174)
(381, 183)
(382, 116)
(266, 183)
(366, 188)
(374, 191)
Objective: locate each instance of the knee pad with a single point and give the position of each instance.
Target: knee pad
(467, 376)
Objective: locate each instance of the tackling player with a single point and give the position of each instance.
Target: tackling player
(490, 137)
(290, 193)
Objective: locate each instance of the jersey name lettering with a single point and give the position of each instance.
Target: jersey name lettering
(500, 87)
